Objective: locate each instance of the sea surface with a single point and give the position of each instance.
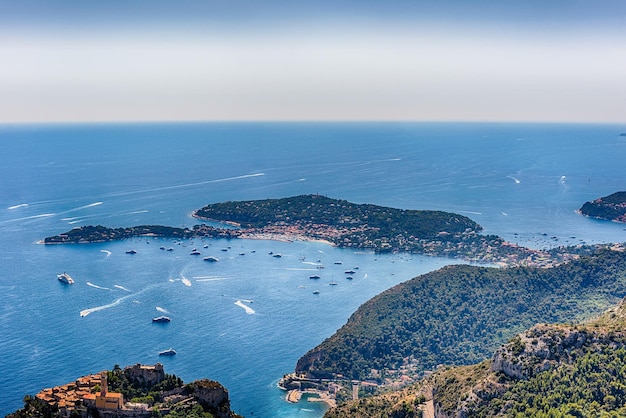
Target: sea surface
(245, 320)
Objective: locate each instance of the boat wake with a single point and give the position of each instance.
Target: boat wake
(43, 215)
(96, 286)
(180, 186)
(122, 287)
(470, 212)
(516, 180)
(108, 253)
(209, 278)
(91, 205)
(186, 282)
(23, 205)
(248, 309)
(116, 302)
(162, 310)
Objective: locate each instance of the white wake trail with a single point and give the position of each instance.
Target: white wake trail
(96, 286)
(248, 309)
(22, 205)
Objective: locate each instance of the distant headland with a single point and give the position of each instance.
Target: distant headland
(342, 224)
(610, 208)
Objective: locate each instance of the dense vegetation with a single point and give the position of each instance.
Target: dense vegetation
(365, 226)
(552, 371)
(135, 391)
(316, 209)
(612, 207)
(593, 385)
(99, 233)
(460, 314)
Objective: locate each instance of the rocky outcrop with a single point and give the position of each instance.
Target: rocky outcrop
(145, 375)
(307, 364)
(541, 348)
(213, 397)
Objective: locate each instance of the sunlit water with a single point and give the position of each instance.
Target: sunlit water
(246, 319)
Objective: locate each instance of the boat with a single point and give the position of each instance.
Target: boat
(168, 352)
(349, 277)
(276, 255)
(333, 283)
(161, 319)
(315, 276)
(131, 252)
(350, 272)
(162, 248)
(211, 259)
(194, 252)
(316, 292)
(65, 278)
(338, 262)
(170, 249)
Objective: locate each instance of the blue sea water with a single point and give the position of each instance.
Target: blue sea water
(245, 320)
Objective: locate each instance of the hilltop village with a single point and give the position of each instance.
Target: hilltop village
(135, 391)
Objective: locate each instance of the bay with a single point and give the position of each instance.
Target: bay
(246, 319)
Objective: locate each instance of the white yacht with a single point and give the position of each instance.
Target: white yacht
(65, 278)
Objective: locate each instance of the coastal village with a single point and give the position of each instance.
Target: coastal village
(90, 396)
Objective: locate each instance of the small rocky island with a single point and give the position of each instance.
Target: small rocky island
(340, 223)
(135, 391)
(610, 208)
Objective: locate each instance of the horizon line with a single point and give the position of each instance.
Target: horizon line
(300, 121)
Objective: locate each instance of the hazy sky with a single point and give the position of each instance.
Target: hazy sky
(461, 60)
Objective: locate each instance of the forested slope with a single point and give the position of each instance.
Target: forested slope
(460, 314)
(547, 371)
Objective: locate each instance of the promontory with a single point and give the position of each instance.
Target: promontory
(340, 223)
(610, 208)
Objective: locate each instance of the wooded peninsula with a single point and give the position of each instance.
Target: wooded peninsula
(610, 208)
(342, 224)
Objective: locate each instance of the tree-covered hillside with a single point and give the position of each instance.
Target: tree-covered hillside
(460, 314)
(317, 209)
(546, 371)
(611, 208)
